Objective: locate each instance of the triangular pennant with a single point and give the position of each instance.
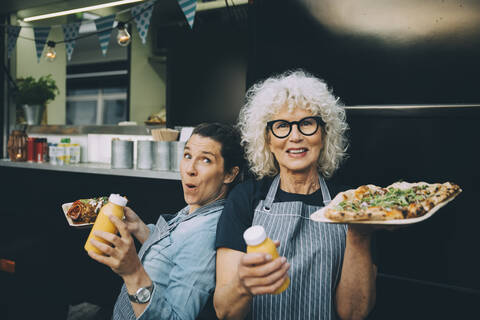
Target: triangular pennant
(70, 31)
(12, 36)
(104, 30)
(41, 35)
(188, 7)
(142, 14)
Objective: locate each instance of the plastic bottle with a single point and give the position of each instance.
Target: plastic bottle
(61, 151)
(52, 153)
(65, 143)
(257, 241)
(114, 207)
(74, 153)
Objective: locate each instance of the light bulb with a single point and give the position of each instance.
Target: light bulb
(123, 37)
(50, 54)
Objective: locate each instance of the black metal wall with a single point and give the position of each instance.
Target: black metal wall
(3, 80)
(373, 52)
(425, 53)
(207, 68)
(427, 270)
(52, 268)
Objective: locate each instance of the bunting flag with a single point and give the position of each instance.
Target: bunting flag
(142, 14)
(40, 35)
(12, 36)
(188, 7)
(104, 30)
(70, 31)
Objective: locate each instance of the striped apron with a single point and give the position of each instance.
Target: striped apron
(315, 252)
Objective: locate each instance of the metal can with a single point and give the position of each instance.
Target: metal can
(45, 150)
(121, 154)
(39, 150)
(30, 149)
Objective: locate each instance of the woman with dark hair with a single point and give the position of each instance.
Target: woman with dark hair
(173, 275)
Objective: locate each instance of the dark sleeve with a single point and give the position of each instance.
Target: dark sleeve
(236, 217)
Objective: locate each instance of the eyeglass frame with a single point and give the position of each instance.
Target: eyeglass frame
(318, 120)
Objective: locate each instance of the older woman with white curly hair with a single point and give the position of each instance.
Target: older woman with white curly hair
(293, 130)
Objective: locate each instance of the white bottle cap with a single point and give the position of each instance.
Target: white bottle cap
(254, 235)
(118, 199)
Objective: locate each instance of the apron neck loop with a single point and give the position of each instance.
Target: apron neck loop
(271, 193)
(276, 182)
(325, 193)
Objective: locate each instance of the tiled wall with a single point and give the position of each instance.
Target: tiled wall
(100, 146)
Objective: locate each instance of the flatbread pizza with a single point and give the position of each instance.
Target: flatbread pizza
(399, 201)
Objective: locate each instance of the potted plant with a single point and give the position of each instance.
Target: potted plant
(33, 95)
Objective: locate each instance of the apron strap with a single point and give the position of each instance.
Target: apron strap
(274, 187)
(267, 204)
(325, 193)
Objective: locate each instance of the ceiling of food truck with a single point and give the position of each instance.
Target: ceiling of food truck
(11, 6)
(36, 7)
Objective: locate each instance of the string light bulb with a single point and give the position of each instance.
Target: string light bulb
(50, 54)
(123, 37)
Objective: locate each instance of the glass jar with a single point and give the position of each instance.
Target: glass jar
(17, 146)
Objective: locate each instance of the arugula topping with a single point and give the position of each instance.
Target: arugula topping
(394, 197)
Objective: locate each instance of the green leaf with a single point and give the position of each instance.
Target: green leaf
(36, 92)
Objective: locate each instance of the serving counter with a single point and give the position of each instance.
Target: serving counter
(52, 270)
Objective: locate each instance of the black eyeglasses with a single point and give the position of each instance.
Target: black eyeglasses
(307, 126)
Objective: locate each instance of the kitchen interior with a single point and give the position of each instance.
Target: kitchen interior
(405, 71)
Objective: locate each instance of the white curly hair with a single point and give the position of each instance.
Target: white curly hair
(295, 89)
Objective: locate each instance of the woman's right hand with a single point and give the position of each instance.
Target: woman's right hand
(259, 274)
(135, 225)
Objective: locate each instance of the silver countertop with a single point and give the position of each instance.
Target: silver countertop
(93, 168)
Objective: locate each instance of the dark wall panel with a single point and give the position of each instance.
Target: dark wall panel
(430, 55)
(52, 268)
(207, 70)
(3, 86)
(430, 267)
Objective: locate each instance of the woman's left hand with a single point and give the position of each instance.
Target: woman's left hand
(122, 257)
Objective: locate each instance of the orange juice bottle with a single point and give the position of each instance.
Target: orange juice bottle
(257, 241)
(115, 206)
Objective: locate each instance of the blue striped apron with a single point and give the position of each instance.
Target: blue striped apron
(314, 250)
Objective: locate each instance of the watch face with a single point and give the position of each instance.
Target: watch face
(143, 295)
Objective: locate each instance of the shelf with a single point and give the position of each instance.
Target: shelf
(93, 168)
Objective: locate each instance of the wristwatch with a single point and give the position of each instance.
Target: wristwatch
(142, 296)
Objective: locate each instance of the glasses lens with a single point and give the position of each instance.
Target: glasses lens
(308, 126)
(281, 128)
